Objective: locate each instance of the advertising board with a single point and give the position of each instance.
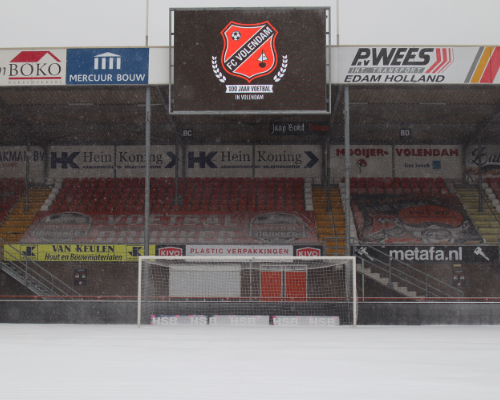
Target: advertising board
(428, 161)
(267, 160)
(131, 161)
(64, 252)
(240, 250)
(288, 160)
(488, 157)
(366, 161)
(222, 160)
(115, 66)
(417, 65)
(13, 162)
(41, 67)
(81, 161)
(247, 60)
(476, 253)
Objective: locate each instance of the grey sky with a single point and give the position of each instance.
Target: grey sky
(103, 23)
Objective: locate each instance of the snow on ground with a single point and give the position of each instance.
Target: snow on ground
(185, 362)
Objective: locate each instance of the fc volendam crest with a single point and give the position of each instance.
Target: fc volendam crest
(249, 52)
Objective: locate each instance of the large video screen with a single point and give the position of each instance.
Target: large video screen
(258, 60)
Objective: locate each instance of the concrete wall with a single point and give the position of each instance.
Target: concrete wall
(125, 312)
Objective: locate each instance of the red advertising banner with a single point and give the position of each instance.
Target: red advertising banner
(241, 227)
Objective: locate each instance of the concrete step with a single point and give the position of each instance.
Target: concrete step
(385, 281)
(488, 230)
(324, 223)
(322, 216)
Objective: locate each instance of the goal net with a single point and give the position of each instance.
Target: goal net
(302, 287)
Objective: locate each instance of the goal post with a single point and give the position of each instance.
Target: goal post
(259, 286)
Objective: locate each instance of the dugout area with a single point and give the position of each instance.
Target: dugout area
(398, 212)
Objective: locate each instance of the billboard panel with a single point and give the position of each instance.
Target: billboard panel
(131, 161)
(288, 160)
(78, 252)
(13, 162)
(81, 161)
(108, 66)
(42, 67)
(219, 160)
(417, 65)
(439, 161)
(430, 254)
(488, 158)
(366, 161)
(249, 60)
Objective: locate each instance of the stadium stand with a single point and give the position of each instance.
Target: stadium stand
(487, 220)
(415, 210)
(14, 216)
(199, 195)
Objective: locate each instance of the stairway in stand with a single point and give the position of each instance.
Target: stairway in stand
(329, 225)
(487, 222)
(338, 216)
(18, 220)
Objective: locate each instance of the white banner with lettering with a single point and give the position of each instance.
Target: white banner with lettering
(81, 161)
(240, 250)
(415, 65)
(366, 161)
(205, 161)
(131, 161)
(428, 161)
(13, 162)
(488, 158)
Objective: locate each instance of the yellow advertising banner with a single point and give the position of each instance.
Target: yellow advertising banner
(77, 252)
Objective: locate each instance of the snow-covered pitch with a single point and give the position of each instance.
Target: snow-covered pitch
(188, 362)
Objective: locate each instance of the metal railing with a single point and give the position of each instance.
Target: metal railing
(32, 275)
(406, 274)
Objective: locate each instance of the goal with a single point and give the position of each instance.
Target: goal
(301, 287)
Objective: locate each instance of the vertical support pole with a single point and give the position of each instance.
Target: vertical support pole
(28, 155)
(250, 280)
(354, 294)
(480, 176)
(147, 22)
(393, 161)
(347, 173)
(363, 278)
(327, 174)
(253, 161)
(139, 297)
(176, 184)
(147, 183)
(338, 28)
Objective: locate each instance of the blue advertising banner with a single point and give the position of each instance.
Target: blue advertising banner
(107, 66)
